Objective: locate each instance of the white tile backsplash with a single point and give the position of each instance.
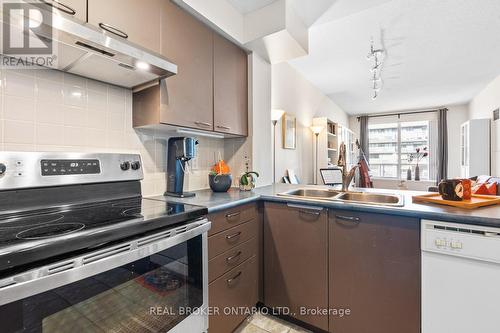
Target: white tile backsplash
(47, 110)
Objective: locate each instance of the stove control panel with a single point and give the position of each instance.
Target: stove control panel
(20, 170)
(70, 167)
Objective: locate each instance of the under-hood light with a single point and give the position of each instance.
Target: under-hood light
(196, 133)
(142, 65)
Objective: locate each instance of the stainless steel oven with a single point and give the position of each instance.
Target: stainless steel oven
(153, 283)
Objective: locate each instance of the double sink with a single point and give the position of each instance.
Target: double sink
(338, 196)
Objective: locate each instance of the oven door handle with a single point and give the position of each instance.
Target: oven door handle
(78, 268)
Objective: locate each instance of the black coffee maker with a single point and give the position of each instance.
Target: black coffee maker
(180, 151)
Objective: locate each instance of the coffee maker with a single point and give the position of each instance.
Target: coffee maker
(180, 151)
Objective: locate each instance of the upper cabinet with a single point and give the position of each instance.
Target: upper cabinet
(73, 8)
(230, 88)
(209, 91)
(136, 21)
(188, 43)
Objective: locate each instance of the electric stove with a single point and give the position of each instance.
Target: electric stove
(75, 232)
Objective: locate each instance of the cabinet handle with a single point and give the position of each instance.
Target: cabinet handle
(113, 30)
(348, 218)
(229, 216)
(316, 211)
(231, 280)
(60, 6)
(228, 237)
(231, 258)
(224, 127)
(309, 212)
(202, 124)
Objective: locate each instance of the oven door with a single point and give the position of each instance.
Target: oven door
(156, 283)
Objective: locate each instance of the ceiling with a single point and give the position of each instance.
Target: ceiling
(247, 6)
(438, 52)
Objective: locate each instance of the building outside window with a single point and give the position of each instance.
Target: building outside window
(392, 139)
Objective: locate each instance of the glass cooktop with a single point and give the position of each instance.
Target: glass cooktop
(50, 232)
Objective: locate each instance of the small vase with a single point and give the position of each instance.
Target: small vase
(408, 174)
(417, 173)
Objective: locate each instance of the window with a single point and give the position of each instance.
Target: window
(392, 139)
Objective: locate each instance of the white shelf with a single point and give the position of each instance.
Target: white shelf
(332, 149)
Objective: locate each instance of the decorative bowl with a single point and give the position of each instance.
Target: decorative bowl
(220, 183)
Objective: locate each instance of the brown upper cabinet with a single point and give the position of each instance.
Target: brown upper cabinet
(136, 21)
(230, 88)
(188, 43)
(209, 91)
(73, 8)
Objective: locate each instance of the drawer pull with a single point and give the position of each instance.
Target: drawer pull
(224, 127)
(231, 258)
(234, 278)
(203, 124)
(60, 6)
(229, 216)
(309, 212)
(229, 237)
(348, 218)
(113, 30)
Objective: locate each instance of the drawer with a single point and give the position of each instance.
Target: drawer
(232, 217)
(237, 288)
(232, 258)
(230, 238)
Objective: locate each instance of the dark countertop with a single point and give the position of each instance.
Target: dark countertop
(487, 216)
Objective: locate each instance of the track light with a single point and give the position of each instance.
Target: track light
(376, 69)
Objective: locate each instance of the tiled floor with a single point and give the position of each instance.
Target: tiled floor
(259, 323)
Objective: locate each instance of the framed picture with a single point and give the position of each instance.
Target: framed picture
(289, 132)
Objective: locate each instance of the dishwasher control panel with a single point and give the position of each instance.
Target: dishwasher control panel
(461, 240)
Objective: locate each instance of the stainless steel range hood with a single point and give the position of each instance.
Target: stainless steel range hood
(87, 51)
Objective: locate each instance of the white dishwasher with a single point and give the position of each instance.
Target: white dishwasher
(460, 278)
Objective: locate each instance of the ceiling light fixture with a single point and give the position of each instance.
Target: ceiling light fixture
(377, 56)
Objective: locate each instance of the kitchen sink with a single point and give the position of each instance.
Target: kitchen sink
(355, 197)
(372, 198)
(310, 193)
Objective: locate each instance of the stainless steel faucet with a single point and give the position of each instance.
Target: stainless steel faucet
(347, 176)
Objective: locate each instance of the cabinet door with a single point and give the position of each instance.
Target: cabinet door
(237, 289)
(295, 260)
(230, 88)
(73, 8)
(188, 43)
(374, 272)
(136, 21)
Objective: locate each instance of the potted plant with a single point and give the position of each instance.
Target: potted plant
(248, 179)
(220, 178)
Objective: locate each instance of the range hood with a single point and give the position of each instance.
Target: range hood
(87, 51)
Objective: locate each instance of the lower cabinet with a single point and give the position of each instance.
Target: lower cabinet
(296, 260)
(234, 266)
(234, 291)
(374, 272)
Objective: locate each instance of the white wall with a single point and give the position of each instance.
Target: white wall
(260, 118)
(297, 96)
(220, 13)
(481, 107)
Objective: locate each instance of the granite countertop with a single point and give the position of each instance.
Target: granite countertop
(487, 216)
